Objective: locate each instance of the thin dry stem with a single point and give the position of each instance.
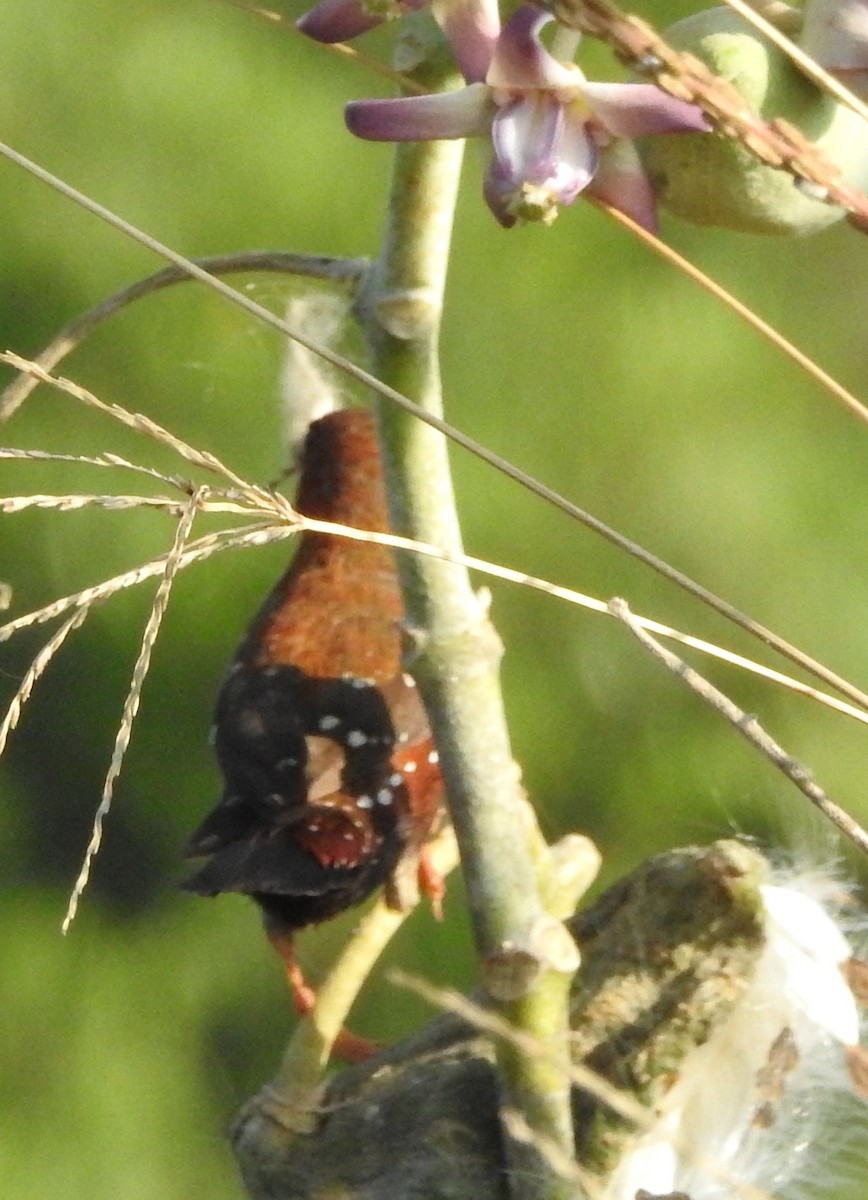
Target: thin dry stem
(748, 727)
(341, 49)
(131, 705)
(96, 460)
(582, 600)
(781, 15)
(803, 61)
(294, 523)
(202, 548)
(73, 502)
(620, 1102)
(136, 421)
(803, 361)
(487, 1021)
(518, 1129)
(34, 671)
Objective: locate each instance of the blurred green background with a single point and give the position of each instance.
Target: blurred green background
(128, 1045)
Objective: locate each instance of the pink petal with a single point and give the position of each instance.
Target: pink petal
(579, 156)
(544, 157)
(339, 20)
(526, 133)
(499, 195)
(641, 109)
(465, 113)
(520, 59)
(472, 28)
(621, 181)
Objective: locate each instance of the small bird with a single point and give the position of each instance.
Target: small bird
(330, 770)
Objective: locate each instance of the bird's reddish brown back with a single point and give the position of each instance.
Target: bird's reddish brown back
(329, 767)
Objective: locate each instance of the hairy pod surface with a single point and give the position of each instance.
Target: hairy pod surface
(715, 180)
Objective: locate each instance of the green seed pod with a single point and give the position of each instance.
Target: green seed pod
(713, 180)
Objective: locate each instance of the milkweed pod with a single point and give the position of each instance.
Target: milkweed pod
(711, 179)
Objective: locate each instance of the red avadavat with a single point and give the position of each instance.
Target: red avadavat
(329, 766)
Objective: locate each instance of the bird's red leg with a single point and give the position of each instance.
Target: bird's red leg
(303, 995)
(350, 1048)
(347, 1046)
(431, 882)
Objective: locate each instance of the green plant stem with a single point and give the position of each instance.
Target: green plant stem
(527, 957)
(457, 653)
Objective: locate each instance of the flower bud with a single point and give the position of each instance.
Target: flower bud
(715, 180)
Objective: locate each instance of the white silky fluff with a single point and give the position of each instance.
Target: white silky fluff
(707, 1140)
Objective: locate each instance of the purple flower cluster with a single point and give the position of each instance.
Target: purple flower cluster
(554, 133)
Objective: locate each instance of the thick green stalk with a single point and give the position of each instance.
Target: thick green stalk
(527, 957)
